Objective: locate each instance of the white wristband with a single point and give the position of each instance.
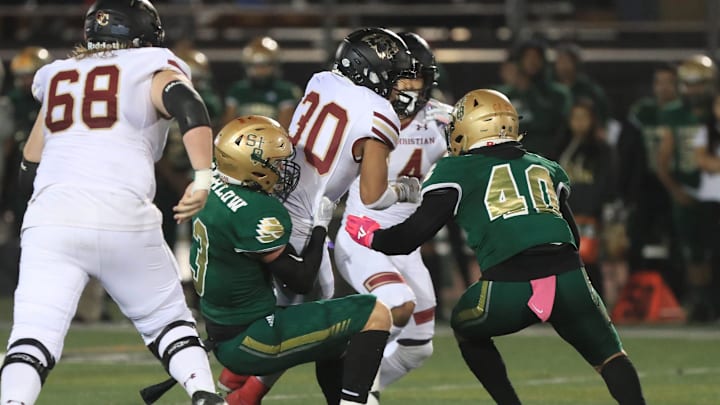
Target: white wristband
(203, 180)
(389, 197)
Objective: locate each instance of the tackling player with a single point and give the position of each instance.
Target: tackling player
(241, 240)
(345, 125)
(402, 282)
(513, 206)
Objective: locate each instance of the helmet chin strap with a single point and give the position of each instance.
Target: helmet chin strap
(490, 142)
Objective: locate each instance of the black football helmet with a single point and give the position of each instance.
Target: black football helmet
(374, 58)
(127, 23)
(409, 103)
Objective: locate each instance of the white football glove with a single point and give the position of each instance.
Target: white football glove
(407, 189)
(439, 112)
(324, 213)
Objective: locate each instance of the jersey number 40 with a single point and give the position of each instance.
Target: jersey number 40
(503, 198)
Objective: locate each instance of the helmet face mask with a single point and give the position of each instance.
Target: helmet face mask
(481, 118)
(374, 58)
(256, 152)
(117, 24)
(408, 104)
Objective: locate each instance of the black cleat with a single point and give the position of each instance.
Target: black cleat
(207, 398)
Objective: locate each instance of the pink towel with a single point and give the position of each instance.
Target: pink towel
(543, 297)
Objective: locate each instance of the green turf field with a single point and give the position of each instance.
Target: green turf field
(678, 366)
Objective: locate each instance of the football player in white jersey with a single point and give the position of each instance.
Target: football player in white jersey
(89, 162)
(402, 282)
(344, 127)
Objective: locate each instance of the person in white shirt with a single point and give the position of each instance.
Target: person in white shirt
(89, 163)
(402, 282)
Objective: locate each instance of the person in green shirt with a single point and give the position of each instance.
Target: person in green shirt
(513, 206)
(679, 173)
(241, 240)
(543, 104)
(262, 92)
(567, 72)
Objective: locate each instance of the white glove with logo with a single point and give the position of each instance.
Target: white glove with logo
(407, 189)
(439, 112)
(324, 213)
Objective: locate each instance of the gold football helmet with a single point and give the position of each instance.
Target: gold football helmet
(481, 118)
(256, 152)
(697, 69)
(198, 63)
(260, 50)
(29, 60)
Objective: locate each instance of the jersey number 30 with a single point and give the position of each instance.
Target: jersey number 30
(321, 162)
(503, 198)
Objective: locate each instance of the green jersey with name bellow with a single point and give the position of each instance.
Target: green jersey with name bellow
(250, 99)
(506, 206)
(235, 224)
(684, 126)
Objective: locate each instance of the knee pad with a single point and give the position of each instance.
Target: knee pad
(177, 336)
(32, 360)
(413, 353)
(393, 293)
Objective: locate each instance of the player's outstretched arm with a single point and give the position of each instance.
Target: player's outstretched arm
(173, 95)
(437, 207)
(31, 157)
(299, 272)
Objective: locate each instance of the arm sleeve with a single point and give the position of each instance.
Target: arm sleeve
(434, 212)
(299, 272)
(385, 126)
(568, 215)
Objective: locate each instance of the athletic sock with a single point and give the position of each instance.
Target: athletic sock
(362, 361)
(20, 383)
(484, 360)
(622, 381)
(329, 374)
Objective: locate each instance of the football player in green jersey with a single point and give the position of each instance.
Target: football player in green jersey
(240, 240)
(513, 206)
(262, 92)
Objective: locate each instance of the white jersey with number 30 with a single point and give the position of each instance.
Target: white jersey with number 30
(332, 117)
(103, 136)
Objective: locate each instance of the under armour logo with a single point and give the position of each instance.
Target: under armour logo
(361, 232)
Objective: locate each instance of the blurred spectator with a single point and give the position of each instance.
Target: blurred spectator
(704, 289)
(24, 109)
(649, 224)
(590, 164)
(568, 72)
(542, 103)
(679, 173)
(262, 92)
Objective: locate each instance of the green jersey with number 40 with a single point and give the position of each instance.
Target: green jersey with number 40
(236, 224)
(505, 205)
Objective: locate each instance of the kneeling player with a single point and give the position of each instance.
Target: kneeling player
(240, 240)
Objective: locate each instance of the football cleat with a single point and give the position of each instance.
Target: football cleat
(229, 381)
(207, 398)
(251, 393)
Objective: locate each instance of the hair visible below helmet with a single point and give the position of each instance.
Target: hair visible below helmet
(374, 58)
(408, 104)
(116, 24)
(481, 118)
(256, 152)
(29, 60)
